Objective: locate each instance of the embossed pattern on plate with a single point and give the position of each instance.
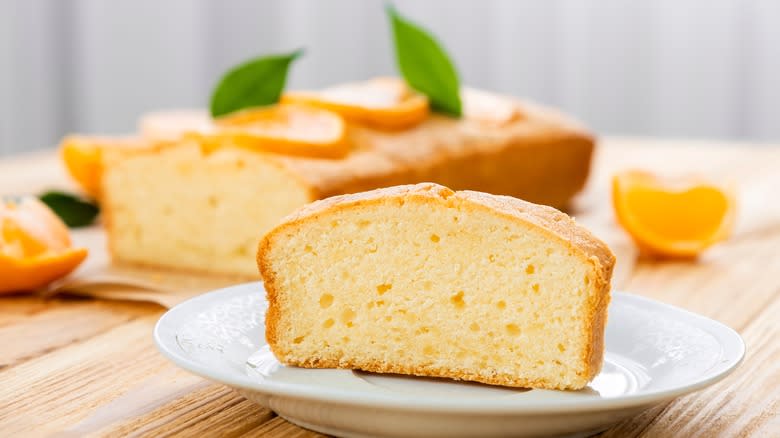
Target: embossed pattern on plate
(654, 352)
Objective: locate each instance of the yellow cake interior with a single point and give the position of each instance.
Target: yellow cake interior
(442, 288)
(182, 207)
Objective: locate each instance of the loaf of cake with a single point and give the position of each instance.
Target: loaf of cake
(180, 205)
(422, 280)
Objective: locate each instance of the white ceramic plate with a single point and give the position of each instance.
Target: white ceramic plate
(654, 353)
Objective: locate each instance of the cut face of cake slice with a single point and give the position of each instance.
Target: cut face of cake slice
(425, 281)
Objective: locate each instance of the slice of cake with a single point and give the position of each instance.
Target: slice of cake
(202, 209)
(422, 280)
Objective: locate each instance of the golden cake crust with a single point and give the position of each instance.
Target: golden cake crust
(462, 154)
(558, 226)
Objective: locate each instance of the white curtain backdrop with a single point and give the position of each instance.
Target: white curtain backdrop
(664, 68)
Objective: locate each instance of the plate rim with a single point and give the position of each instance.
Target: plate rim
(165, 341)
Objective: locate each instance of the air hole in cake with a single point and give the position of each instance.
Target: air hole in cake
(326, 300)
(345, 338)
(427, 285)
(474, 327)
(549, 252)
(240, 164)
(529, 269)
(388, 318)
(328, 323)
(535, 287)
(298, 340)
(435, 238)
(501, 304)
(492, 258)
(347, 316)
(587, 280)
(334, 224)
(561, 348)
(513, 329)
(240, 251)
(557, 362)
(308, 248)
(429, 350)
(213, 201)
(457, 300)
(512, 237)
(382, 288)
(422, 330)
(364, 223)
(380, 303)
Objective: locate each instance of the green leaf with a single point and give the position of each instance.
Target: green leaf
(425, 65)
(75, 212)
(256, 82)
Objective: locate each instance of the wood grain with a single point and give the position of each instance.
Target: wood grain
(76, 367)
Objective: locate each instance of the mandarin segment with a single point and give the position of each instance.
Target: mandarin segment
(673, 218)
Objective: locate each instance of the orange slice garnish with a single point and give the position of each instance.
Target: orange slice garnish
(489, 108)
(288, 129)
(679, 218)
(35, 247)
(82, 156)
(383, 103)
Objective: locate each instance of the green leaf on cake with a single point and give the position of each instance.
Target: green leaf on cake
(257, 82)
(425, 65)
(74, 211)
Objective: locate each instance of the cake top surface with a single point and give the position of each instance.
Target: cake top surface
(559, 225)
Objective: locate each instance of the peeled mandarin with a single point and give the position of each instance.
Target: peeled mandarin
(35, 247)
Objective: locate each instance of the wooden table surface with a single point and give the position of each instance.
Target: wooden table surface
(81, 367)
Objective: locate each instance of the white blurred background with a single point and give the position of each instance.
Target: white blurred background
(703, 69)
